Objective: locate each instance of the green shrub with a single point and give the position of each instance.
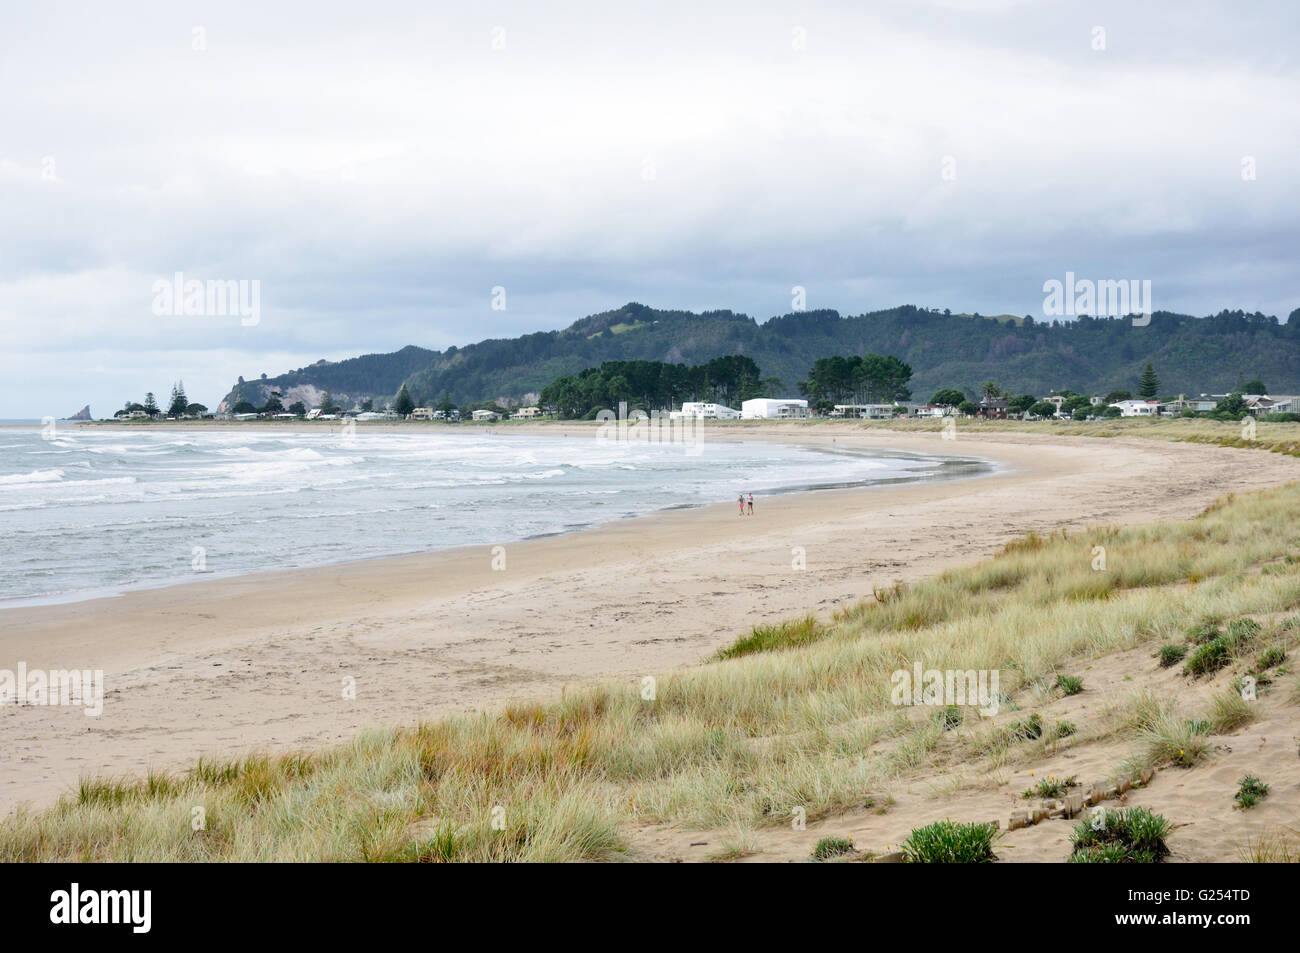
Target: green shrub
(1069, 684)
(1251, 791)
(1065, 728)
(1132, 835)
(1210, 657)
(829, 847)
(946, 842)
(1171, 655)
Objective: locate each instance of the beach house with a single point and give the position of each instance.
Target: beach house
(868, 411)
(774, 408)
(700, 410)
(1137, 408)
(995, 408)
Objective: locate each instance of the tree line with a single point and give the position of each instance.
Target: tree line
(178, 406)
(655, 385)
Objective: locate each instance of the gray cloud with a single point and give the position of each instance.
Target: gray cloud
(380, 168)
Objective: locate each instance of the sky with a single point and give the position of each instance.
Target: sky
(391, 173)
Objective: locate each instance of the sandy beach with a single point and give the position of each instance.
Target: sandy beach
(218, 667)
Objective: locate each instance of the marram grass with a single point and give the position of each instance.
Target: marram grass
(800, 721)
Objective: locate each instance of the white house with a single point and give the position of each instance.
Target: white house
(484, 415)
(526, 413)
(700, 410)
(422, 413)
(769, 408)
(869, 411)
(1138, 408)
(1056, 400)
(929, 410)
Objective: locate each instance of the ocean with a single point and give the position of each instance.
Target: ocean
(87, 513)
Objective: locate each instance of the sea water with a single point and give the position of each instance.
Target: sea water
(86, 513)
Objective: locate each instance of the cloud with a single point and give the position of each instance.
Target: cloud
(379, 172)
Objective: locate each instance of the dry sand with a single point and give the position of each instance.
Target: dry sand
(219, 667)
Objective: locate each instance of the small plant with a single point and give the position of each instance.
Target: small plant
(1069, 684)
(1065, 728)
(1027, 730)
(1199, 726)
(1230, 711)
(1132, 835)
(1209, 658)
(948, 718)
(1171, 655)
(1270, 658)
(1251, 790)
(1242, 632)
(774, 638)
(946, 842)
(1272, 847)
(1169, 740)
(829, 847)
(1208, 629)
(1051, 787)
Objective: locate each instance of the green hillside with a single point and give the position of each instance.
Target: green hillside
(1192, 355)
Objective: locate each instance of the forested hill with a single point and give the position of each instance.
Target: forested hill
(1089, 355)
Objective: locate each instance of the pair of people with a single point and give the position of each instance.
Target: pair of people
(743, 502)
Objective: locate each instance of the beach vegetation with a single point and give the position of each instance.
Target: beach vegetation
(798, 717)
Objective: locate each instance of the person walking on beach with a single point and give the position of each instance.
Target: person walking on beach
(741, 500)
(751, 504)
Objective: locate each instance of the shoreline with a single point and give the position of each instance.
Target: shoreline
(219, 667)
(980, 468)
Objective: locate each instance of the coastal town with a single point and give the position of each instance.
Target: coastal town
(991, 405)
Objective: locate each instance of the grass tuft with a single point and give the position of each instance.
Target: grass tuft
(1131, 835)
(1251, 790)
(946, 842)
(829, 847)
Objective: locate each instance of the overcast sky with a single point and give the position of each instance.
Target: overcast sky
(380, 167)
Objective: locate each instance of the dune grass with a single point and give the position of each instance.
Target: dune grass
(800, 719)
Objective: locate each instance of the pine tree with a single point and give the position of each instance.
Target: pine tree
(150, 405)
(179, 401)
(404, 404)
(1149, 385)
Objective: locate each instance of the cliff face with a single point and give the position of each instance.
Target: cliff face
(82, 414)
